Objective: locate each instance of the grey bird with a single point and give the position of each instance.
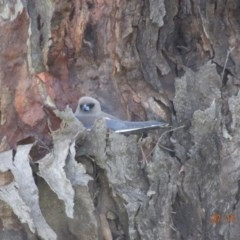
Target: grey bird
(89, 110)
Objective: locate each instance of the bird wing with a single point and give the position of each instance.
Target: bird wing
(120, 126)
(89, 119)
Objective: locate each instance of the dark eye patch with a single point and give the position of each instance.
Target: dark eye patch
(86, 107)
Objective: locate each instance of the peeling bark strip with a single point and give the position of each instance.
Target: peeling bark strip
(22, 193)
(52, 166)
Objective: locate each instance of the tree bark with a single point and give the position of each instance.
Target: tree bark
(171, 60)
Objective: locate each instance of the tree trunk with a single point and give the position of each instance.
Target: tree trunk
(171, 60)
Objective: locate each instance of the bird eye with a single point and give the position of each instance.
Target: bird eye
(86, 107)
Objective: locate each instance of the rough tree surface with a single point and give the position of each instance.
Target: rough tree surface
(143, 59)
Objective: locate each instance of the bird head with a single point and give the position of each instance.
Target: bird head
(88, 105)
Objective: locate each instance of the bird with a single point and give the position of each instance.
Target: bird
(89, 110)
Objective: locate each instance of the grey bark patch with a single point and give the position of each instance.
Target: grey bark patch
(134, 192)
(196, 90)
